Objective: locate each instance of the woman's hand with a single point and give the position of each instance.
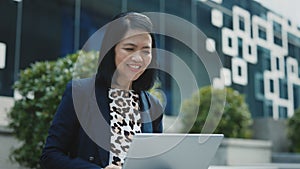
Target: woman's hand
(112, 166)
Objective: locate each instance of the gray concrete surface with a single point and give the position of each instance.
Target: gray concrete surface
(273, 130)
(7, 143)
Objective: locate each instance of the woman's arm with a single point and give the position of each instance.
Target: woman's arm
(62, 135)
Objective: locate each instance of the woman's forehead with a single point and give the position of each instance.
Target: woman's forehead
(136, 36)
(136, 32)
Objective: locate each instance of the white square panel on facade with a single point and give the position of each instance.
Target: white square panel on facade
(217, 1)
(2, 55)
(293, 29)
(239, 71)
(292, 70)
(224, 80)
(241, 15)
(257, 24)
(229, 42)
(271, 82)
(283, 22)
(218, 83)
(210, 45)
(249, 50)
(275, 111)
(226, 75)
(216, 18)
(277, 103)
(277, 64)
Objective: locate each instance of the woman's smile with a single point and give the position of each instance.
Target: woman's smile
(134, 67)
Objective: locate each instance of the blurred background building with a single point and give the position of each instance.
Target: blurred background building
(259, 49)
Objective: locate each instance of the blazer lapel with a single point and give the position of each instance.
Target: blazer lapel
(145, 113)
(103, 103)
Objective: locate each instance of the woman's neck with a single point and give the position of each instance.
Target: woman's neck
(120, 83)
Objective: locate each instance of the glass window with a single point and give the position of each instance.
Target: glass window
(277, 27)
(283, 89)
(240, 47)
(262, 33)
(272, 86)
(283, 113)
(277, 41)
(269, 110)
(241, 23)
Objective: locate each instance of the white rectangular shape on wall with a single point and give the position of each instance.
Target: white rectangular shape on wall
(238, 14)
(229, 42)
(217, 18)
(227, 76)
(218, 1)
(210, 45)
(258, 24)
(2, 55)
(239, 71)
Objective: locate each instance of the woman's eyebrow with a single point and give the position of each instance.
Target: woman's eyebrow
(130, 44)
(134, 45)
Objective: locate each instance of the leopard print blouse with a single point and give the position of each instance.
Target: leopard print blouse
(125, 121)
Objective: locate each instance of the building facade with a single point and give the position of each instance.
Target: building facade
(260, 50)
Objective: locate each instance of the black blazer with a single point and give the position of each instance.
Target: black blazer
(68, 146)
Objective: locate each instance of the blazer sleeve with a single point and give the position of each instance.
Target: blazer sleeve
(156, 113)
(62, 133)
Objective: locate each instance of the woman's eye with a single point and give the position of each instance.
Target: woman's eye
(128, 49)
(146, 52)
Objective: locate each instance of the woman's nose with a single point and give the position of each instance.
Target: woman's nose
(137, 57)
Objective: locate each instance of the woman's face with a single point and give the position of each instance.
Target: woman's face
(133, 55)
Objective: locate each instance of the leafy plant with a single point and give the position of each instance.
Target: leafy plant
(41, 87)
(236, 117)
(293, 130)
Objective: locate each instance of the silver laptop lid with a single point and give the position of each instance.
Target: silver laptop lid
(172, 151)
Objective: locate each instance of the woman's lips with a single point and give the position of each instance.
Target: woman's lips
(134, 68)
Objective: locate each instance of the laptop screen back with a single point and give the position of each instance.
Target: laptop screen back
(172, 151)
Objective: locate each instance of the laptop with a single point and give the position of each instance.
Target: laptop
(172, 151)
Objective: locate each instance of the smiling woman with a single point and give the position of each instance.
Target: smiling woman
(120, 86)
(133, 55)
(133, 32)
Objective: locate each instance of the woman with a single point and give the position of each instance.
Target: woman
(120, 90)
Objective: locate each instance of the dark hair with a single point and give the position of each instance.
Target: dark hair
(114, 33)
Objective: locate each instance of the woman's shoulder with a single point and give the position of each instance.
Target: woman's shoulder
(154, 101)
(80, 87)
(81, 84)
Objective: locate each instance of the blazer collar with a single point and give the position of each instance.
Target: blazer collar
(145, 113)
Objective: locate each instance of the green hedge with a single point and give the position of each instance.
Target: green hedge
(293, 131)
(41, 86)
(236, 117)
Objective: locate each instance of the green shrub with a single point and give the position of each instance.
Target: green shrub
(236, 117)
(293, 131)
(41, 86)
